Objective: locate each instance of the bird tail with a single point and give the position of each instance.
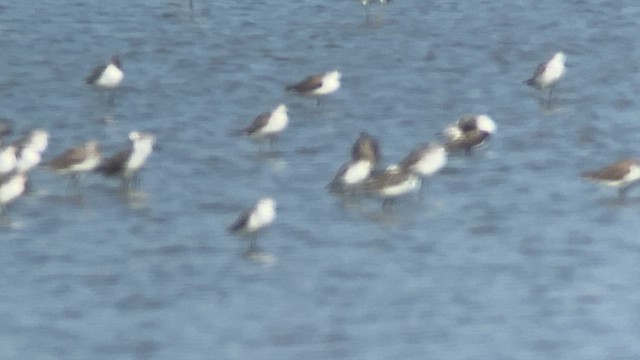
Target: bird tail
(529, 82)
(238, 132)
(589, 175)
(291, 88)
(105, 169)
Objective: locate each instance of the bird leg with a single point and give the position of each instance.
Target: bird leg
(272, 141)
(74, 180)
(422, 186)
(253, 243)
(622, 191)
(387, 203)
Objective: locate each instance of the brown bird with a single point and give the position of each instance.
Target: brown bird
(468, 132)
(75, 161)
(317, 85)
(622, 175)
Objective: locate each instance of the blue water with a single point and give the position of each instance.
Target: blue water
(509, 256)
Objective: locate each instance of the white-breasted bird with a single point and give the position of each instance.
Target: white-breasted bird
(128, 162)
(426, 160)
(77, 160)
(468, 132)
(365, 154)
(548, 73)
(107, 76)
(268, 124)
(250, 221)
(317, 85)
(396, 180)
(621, 175)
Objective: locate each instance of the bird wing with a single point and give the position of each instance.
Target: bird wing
(240, 222)
(539, 70)
(612, 172)
(95, 74)
(258, 123)
(336, 184)
(380, 179)
(413, 158)
(309, 84)
(115, 164)
(467, 141)
(68, 158)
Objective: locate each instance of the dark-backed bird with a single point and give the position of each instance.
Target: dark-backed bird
(250, 221)
(468, 132)
(396, 180)
(426, 160)
(317, 85)
(621, 175)
(365, 154)
(548, 73)
(128, 162)
(77, 160)
(107, 76)
(268, 124)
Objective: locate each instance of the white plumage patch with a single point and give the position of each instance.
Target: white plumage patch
(13, 188)
(28, 159)
(357, 172)
(142, 148)
(263, 214)
(431, 162)
(330, 83)
(277, 122)
(553, 71)
(8, 160)
(111, 77)
(410, 184)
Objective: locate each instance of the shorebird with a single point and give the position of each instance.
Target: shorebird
(394, 181)
(77, 160)
(11, 187)
(622, 175)
(365, 154)
(30, 149)
(548, 73)
(268, 124)
(249, 222)
(106, 76)
(425, 161)
(317, 85)
(468, 132)
(128, 162)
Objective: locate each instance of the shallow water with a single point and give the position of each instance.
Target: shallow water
(510, 255)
